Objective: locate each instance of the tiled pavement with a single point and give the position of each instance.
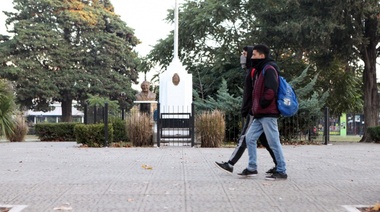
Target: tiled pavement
(60, 176)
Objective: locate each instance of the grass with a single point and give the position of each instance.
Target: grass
(27, 137)
(31, 137)
(319, 139)
(348, 138)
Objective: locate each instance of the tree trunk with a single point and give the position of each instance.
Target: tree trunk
(371, 108)
(67, 110)
(371, 103)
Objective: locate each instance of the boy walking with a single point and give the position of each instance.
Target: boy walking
(247, 114)
(265, 112)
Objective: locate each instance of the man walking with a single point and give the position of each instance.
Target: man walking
(265, 112)
(247, 114)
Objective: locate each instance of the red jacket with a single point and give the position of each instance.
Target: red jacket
(264, 94)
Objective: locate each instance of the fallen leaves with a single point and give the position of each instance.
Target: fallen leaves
(147, 167)
(64, 207)
(376, 207)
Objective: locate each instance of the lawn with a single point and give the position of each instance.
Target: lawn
(337, 138)
(334, 138)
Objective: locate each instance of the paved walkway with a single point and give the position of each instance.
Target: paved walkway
(59, 176)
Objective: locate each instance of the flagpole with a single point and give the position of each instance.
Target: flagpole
(176, 30)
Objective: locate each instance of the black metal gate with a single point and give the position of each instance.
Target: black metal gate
(175, 128)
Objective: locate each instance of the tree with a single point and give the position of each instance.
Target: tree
(329, 32)
(212, 34)
(311, 102)
(225, 102)
(210, 44)
(63, 50)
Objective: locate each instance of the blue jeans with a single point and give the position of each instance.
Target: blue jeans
(270, 128)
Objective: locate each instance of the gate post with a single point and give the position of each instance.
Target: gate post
(122, 113)
(85, 114)
(158, 125)
(95, 113)
(192, 125)
(106, 124)
(327, 127)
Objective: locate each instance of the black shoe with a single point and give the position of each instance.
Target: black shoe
(225, 167)
(272, 170)
(277, 176)
(248, 173)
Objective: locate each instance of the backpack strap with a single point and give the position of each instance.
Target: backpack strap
(270, 66)
(267, 67)
(253, 72)
(252, 75)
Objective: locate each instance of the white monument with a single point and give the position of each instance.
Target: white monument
(176, 85)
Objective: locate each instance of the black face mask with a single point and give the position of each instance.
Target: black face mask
(256, 62)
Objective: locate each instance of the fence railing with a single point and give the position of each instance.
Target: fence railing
(175, 125)
(292, 129)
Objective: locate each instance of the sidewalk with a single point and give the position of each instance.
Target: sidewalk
(48, 176)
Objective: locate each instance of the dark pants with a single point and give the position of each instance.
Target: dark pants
(242, 145)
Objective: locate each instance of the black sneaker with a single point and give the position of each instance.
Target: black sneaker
(271, 171)
(277, 176)
(248, 173)
(225, 167)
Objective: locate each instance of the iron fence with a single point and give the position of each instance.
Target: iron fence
(292, 129)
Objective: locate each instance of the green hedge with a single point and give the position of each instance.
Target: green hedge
(119, 130)
(63, 131)
(374, 133)
(92, 135)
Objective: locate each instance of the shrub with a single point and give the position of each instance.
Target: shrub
(139, 129)
(55, 131)
(210, 128)
(92, 135)
(374, 133)
(119, 130)
(19, 130)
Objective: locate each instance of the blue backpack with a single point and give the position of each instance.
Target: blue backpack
(287, 102)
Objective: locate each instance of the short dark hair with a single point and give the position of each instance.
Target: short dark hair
(262, 49)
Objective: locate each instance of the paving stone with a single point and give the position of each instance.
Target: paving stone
(48, 175)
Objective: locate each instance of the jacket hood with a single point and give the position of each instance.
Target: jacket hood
(249, 50)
